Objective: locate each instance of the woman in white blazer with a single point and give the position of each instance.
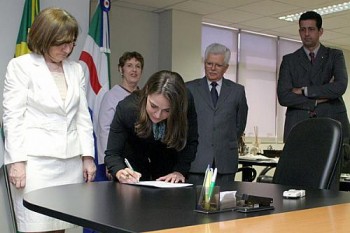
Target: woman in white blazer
(47, 125)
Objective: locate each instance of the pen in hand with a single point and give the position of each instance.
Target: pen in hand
(128, 164)
(135, 175)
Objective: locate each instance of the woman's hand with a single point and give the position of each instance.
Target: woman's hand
(128, 176)
(174, 177)
(17, 174)
(89, 169)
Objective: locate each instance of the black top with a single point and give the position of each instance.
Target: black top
(148, 156)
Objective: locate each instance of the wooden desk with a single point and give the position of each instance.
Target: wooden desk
(323, 219)
(113, 207)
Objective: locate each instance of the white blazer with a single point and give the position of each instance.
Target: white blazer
(36, 120)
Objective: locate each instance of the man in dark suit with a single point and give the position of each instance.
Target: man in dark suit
(313, 79)
(221, 118)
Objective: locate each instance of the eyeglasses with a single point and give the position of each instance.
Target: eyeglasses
(66, 44)
(214, 65)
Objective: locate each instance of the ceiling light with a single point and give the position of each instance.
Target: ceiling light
(322, 11)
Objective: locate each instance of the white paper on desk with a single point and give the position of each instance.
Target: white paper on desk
(257, 157)
(162, 184)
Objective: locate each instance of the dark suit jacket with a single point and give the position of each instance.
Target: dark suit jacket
(148, 156)
(326, 78)
(219, 127)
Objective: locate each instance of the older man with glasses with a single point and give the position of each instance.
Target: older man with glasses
(222, 109)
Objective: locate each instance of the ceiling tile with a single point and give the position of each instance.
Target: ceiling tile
(267, 7)
(311, 4)
(266, 23)
(228, 3)
(159, 4)
(201, 8)
(331, 35)
(336, 21)
(344, 30)
(233, 16)
(341, 41)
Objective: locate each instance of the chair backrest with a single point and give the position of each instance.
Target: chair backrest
(311, 156)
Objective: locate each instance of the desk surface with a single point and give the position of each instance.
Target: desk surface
(323, 219)
(114, 207)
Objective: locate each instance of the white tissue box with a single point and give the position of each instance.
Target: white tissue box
(227, 200)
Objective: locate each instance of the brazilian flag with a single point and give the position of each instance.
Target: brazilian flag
(30, 10)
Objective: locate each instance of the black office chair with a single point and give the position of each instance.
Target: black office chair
(311, 156)
(346, 157)
(248, 173)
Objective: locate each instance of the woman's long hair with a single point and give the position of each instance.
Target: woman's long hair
(172, 87)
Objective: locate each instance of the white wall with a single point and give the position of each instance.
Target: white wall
(180, 43)
(133, 30)
(10, 17)
(170, 40)
(186, 45)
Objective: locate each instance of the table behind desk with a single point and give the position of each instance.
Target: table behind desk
(114, 207)
(249, 163)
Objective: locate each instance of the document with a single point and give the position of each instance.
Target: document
(162, 184)
(251, 157)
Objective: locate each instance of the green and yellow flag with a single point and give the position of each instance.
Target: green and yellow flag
(30, 10)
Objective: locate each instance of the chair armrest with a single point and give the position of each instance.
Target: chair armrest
(249, 173)
(264, 179)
